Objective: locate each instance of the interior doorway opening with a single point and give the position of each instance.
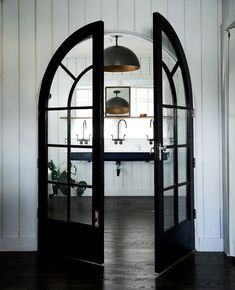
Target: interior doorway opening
(129, 173)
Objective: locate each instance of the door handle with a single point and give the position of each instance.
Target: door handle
(160, 149)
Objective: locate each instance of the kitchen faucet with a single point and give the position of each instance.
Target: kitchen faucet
(118, 139)
(83, 140)
(150, 140)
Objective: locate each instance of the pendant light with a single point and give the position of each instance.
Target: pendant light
(120, 59)
(117, 105)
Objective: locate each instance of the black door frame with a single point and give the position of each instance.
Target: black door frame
(171, 245)
(66, 237)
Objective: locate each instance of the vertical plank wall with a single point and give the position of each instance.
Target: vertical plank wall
(193, 46)
(31, 30)
(27, 121)
(210, 113)
(10, 89)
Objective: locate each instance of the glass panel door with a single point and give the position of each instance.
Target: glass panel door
(71, 149)
(173, 135)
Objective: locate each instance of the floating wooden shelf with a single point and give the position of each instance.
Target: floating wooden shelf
(118, 117)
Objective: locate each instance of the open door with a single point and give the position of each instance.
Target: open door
(71, 192)
(173, 136)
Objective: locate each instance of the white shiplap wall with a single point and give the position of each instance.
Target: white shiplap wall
(27, 120)
(31, 30)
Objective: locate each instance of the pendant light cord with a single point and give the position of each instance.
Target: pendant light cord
(116, 92)
(116, 36)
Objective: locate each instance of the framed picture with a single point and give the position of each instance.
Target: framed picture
(117, 101)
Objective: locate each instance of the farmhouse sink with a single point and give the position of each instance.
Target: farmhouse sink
(118, 156)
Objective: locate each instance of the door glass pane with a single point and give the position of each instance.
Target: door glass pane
(57, 127)
(168, 168)
(81, 165)
(179, 87)
(57, 193)
(73, 64)
(166, 90)
(57, 204)
(81, 57)
(168, 209)
(182, 203)
(81, 177)
(168, 127)
(182, 126)
(182, 164)
(57, 164)
(81, 127)
(60, 88)
(168, 51)
(169, 58)
(81, 205)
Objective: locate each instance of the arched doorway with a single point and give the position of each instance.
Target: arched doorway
(59, 230)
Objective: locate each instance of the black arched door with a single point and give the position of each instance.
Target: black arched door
(71, 209)
(71, 206)
(173, 136)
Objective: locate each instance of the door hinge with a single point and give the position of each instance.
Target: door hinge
(194, 162)
(193, 113)
(194, 214)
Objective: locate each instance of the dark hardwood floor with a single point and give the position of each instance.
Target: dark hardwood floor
(129, 242)
(129, 260)
(200, 271)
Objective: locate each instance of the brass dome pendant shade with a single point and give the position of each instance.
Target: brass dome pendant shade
(117, 105)
(120, 59)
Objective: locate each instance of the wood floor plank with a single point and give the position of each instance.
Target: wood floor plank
(128, 260)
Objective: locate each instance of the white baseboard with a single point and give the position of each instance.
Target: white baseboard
(18, 244)
(209, 244)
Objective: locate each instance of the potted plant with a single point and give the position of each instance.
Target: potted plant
(60, 176)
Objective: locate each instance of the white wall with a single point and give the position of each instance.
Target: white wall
(228, 91)
(32, 30)
(18, 126)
